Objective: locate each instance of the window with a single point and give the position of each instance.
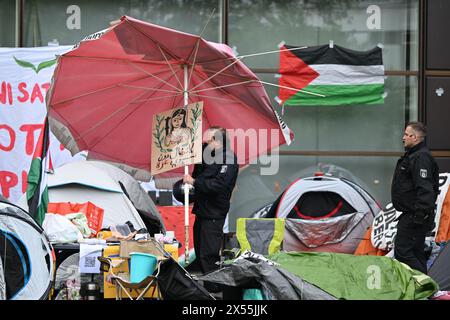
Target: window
(70, 21)
(7, 23)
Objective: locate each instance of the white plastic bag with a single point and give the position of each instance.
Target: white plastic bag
(59, 229)
(81, 222)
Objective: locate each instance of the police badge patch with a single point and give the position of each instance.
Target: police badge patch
(423, 173)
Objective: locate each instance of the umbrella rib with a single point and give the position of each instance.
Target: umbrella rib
(97, 91)
(117, 59)
(198, 45)
(158, 78)
(169, 64)
(271, 110)
(229, 75)
(148, 89)
(194, 60)
(293, 89)
(156, 98)
(108, 117)
(135, 100)
(224, 86)
(213, 98)
(218, 72)
(251, 55)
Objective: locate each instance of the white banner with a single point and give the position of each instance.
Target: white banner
(384, 226)
(25, 76)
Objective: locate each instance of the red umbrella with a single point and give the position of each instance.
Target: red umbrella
(106, 90)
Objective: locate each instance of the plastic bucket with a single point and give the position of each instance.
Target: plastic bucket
(142, 265)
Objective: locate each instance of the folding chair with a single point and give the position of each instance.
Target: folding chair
(260, 235)
(122, 282)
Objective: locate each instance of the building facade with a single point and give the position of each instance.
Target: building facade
(359, 142)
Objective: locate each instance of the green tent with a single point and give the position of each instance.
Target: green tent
(351, 277)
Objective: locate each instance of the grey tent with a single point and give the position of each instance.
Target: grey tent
(440, 270)
(323, 213)
(26, 259)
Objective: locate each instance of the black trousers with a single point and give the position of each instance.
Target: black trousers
(409, 243)
(208, 237)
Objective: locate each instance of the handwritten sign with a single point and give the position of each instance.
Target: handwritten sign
(177, 138)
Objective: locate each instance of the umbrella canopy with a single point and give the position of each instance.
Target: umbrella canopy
(106, 90)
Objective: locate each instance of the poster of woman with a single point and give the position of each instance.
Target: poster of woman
(177, 138)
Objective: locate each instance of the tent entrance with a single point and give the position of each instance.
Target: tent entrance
(16, 263)
(319, 205)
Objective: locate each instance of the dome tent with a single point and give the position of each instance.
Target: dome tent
(323, 213)
(26, 256)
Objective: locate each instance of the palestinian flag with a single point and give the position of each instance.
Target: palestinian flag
(37, 192)
(330, 76)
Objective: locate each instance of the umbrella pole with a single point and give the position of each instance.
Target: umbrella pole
(186, 186)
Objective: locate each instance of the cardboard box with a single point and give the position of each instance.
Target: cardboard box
(173, 250)
(109, 289)
(150, 246)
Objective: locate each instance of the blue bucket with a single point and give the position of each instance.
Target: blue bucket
(142, 265)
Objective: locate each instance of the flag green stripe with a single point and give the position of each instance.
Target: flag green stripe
(338, 95)
(33, 177)
(42, 208)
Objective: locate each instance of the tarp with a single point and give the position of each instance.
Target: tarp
(275, 282)
(351, 277)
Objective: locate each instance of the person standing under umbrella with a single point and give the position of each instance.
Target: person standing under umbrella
(415, 187)
(213, 180)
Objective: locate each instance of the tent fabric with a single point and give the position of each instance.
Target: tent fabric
(293, 193)
(138, 196)
(263, 236)
(276, 283)
(337, 223)
(443, 232)
(338, 234)
(365, 247)
(31, 258)
(351, 277)
(440, 270)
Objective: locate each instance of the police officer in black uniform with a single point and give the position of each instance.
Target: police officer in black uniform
(213, 181)
(414, 192)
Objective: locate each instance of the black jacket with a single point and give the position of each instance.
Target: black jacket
(415, 185)
(213, 185)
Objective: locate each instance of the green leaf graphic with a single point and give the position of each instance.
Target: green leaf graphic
(45, 64)
(42, 65)
(25, 64)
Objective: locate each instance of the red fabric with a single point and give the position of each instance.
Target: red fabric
(106, 91)
(365, 247)
(173, 217)
(443, 234)
(294, 74)
(93, 213)
(444, 296)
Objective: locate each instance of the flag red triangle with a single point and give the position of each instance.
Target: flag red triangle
(295, 73)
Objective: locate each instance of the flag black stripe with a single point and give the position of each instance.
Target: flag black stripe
(338, 55)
